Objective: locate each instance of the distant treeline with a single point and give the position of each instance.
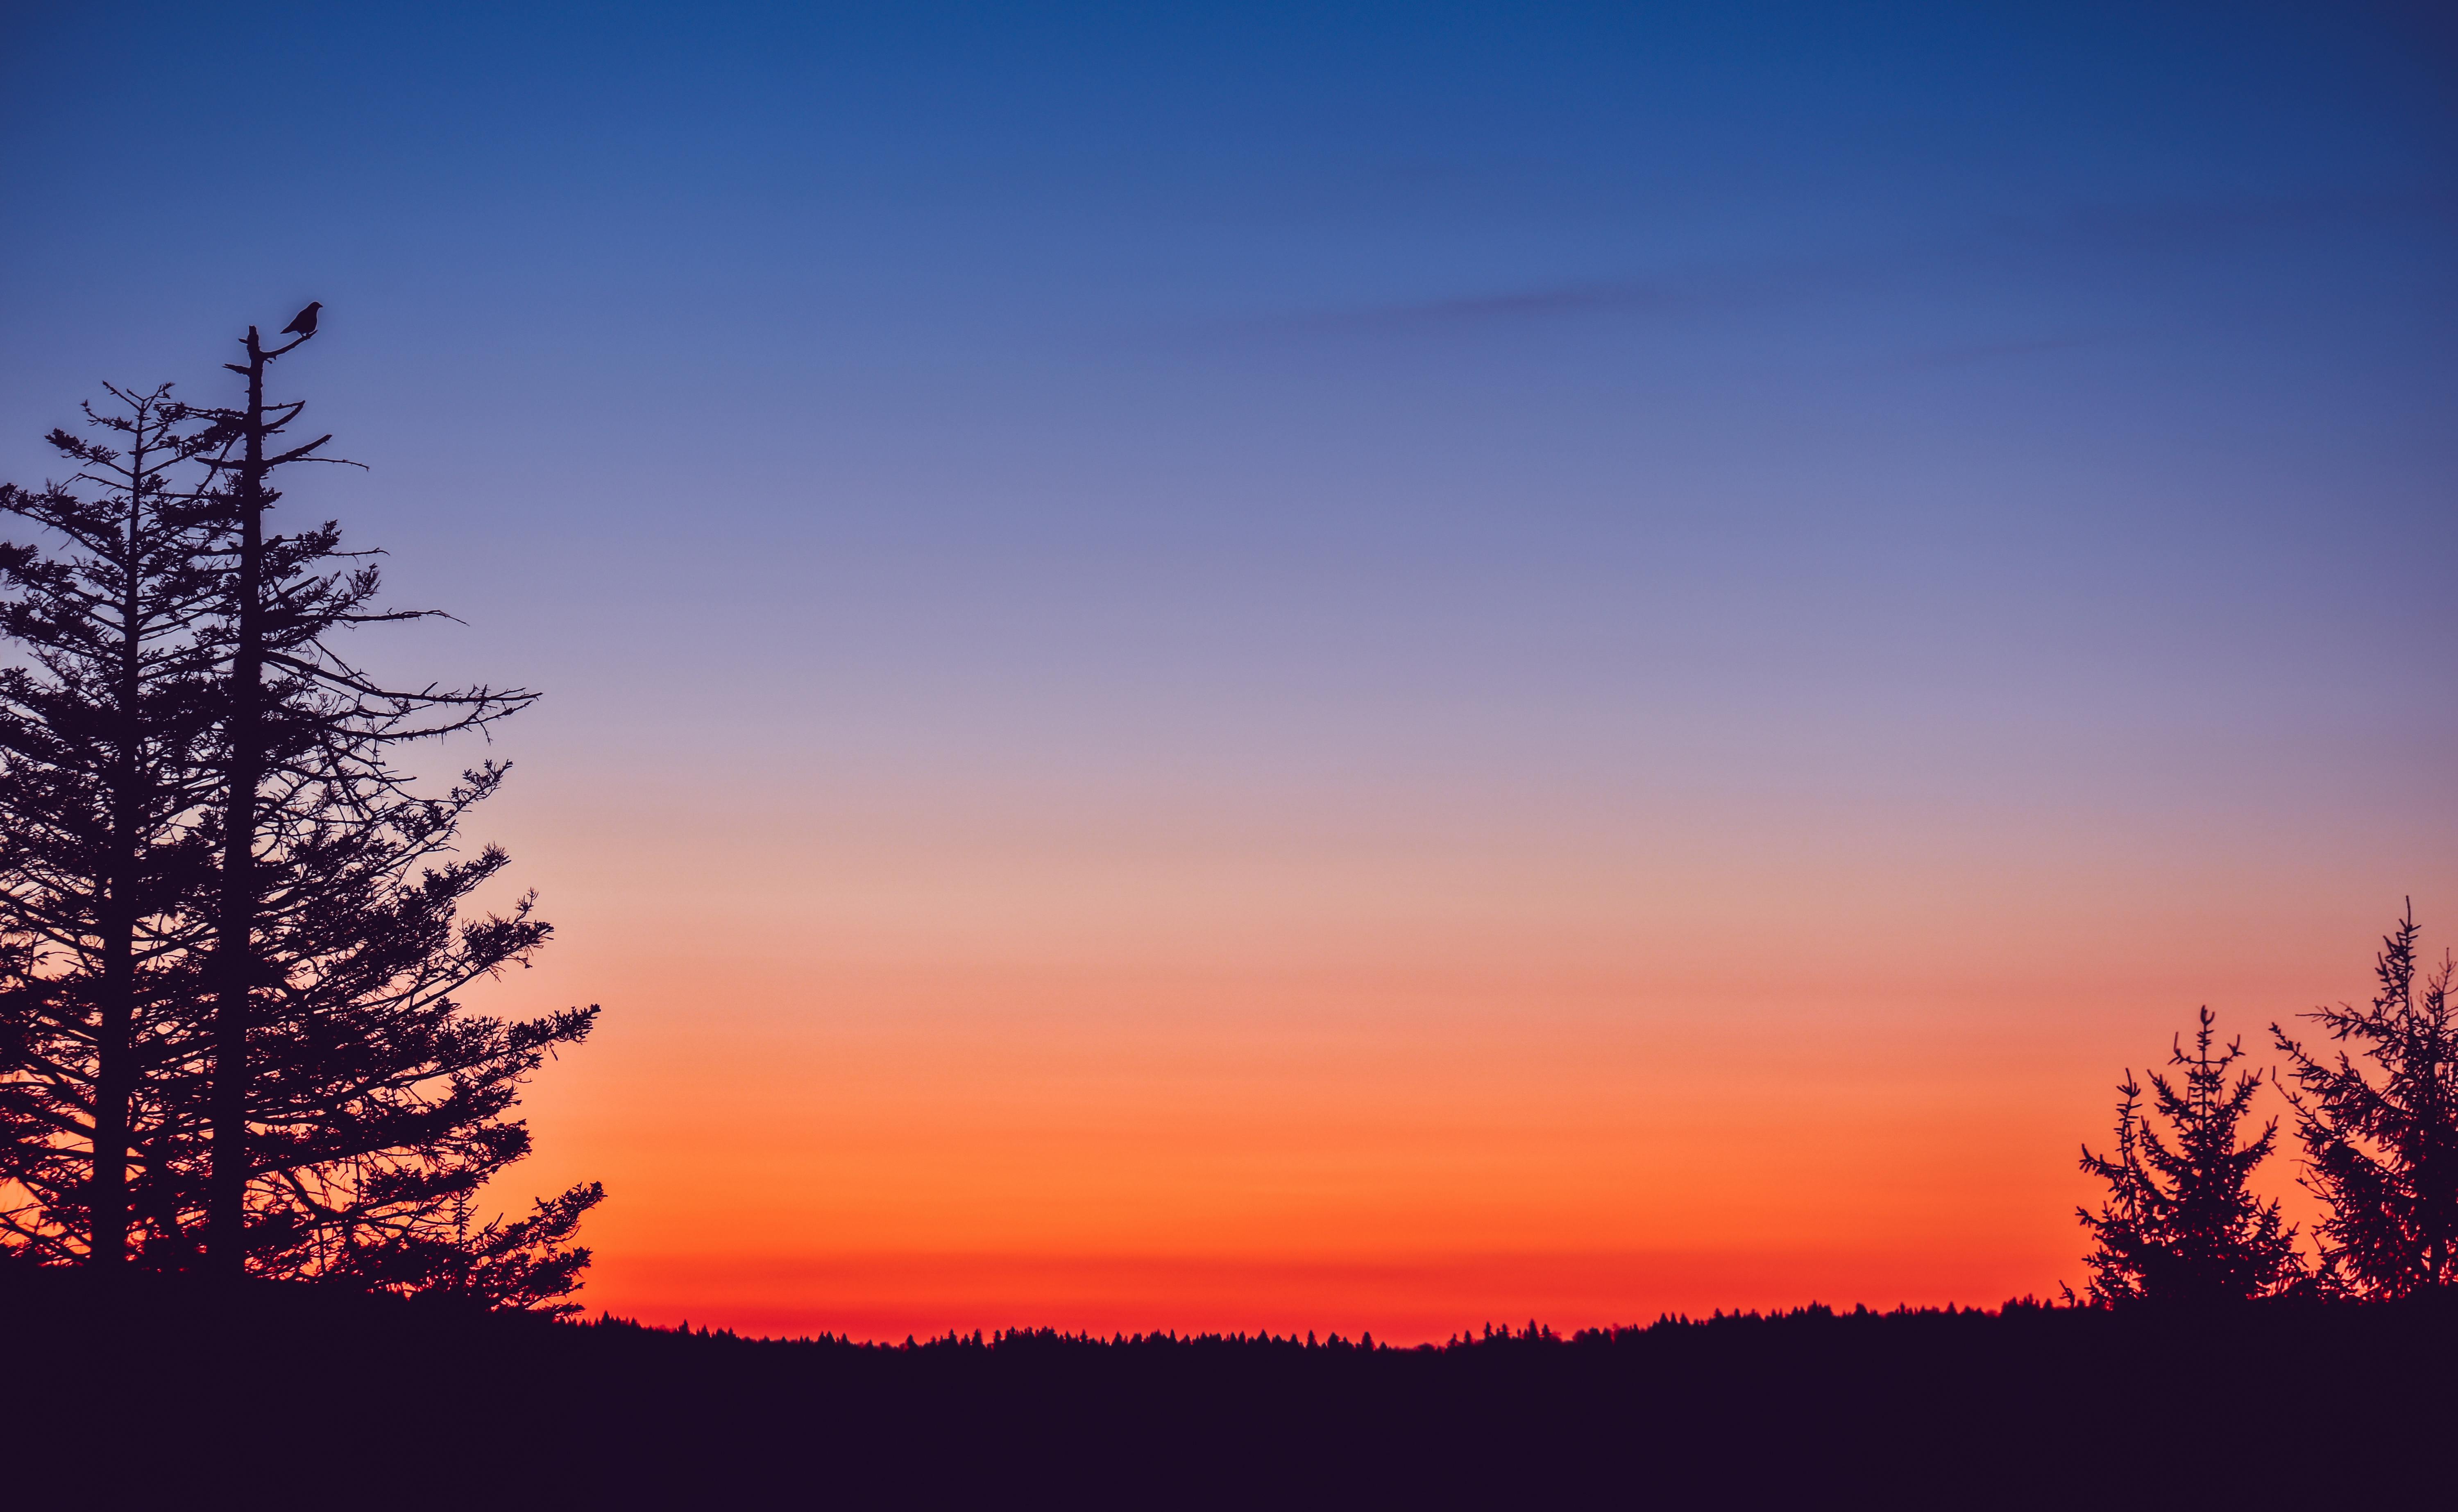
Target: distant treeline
(1532, 1334)
(2027, 1406)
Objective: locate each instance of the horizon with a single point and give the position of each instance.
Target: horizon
(1361, 672)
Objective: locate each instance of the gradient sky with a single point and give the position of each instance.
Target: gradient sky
(1227, 666)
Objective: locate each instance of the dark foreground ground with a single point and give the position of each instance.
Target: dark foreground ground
(168, 1396)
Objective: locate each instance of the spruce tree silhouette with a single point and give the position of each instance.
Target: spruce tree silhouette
(2178, 1225)
(2384, 1154)
(102, 863)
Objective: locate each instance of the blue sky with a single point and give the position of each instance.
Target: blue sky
(1188, 377)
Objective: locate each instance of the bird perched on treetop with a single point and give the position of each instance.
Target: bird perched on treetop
(304, 323)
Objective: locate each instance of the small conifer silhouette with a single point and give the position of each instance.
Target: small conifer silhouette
(2179, 1224)
(2384, 1154)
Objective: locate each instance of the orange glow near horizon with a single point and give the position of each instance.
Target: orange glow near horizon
(1019, 1088)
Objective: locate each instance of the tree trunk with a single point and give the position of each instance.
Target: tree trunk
(115, 1076)
(234, 953)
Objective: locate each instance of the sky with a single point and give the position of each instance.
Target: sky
(1345, 667)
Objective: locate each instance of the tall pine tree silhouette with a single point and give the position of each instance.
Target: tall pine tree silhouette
(2380, 1128)
(305, 1096)
(2179, 1224)
(102, 861)
(355, 1108)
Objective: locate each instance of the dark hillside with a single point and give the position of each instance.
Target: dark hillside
(344, 1402)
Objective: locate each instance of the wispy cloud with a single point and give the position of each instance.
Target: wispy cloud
(1978, 352)
(2074, 237)
(1558, 302)
(1523, 304)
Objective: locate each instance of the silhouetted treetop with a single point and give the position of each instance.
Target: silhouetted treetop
(2380, 1126)
(2181, 1223)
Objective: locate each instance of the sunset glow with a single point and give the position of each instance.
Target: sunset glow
(1366, 671)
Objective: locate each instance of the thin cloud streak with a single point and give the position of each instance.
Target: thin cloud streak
(2180, 227)
(1556, 303)
(1996, 351)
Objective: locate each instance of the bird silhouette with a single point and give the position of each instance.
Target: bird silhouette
(304, 323)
